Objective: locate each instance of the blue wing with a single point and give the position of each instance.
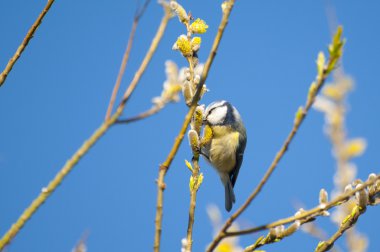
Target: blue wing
(239, 159)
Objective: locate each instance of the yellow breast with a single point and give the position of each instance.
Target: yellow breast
(223, 148)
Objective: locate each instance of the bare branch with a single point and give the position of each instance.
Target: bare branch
(323, 73)
(83, 150)
(309, 213)
(153, 110)
(25, 42)
(123, 65)
(164, 167)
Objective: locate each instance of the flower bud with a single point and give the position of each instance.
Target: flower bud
(348, 188)
(197, 119)
(372, 176)
(199, 26)
(180, 11)
(355, 147)
(196, 44)
(279, 230)
(299, 115)
(183, 45)
(292, 228)
(299, 212)
(188, 93)
(362, 197)
(323, 196)
(194, 141)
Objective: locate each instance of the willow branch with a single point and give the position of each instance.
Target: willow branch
(83, 150)
(25, 42)
(275, 235)
(363, 199)
(57, 180)
(327, 245)
(152, 111)
(306, 214)
(323, 73)
(197, 180)
(349, 223)
(315, 231)
(190, 223)
(123, 65)
(166, 164)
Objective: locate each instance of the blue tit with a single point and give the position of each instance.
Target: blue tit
(223, 144)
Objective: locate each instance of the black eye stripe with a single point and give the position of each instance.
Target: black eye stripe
(221, 105)
(211, 110)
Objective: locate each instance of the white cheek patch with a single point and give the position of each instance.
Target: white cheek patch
(218, 104)
(218, 115)
(236, 113)
(214, 105)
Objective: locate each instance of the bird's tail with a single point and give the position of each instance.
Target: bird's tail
(229, 195)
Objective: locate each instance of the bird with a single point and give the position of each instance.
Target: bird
(223, 144)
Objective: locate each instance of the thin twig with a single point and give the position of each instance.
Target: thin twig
(123, 65)
(122, 69)
(194, 176)
(25, 42)
(81, 245)
(166, 164)
(163, 170)
(193, 199)
(275, 235)
(311, 228)
(153, 110)
(346, 224)
(190, 224)
(306, 214)
(365, 195)
(316, 86)
(47, 191)
(141, 11)
(315, 231)
(148, 57)
(336, 132)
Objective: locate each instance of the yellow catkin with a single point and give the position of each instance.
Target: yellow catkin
(196, 43)
(184, 46)
(199, 26)
(207, 135)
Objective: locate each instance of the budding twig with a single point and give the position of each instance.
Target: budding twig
(323, 72)
(83, 150)
(123, 65)
(165, 166)
(309, 213)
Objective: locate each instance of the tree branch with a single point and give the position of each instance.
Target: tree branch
(309, 213)
(327, 245)
(166, 164)
(25, 42)
(123, 65)
(47, 191)
(367, 196)
(153, 110)
(323, 73)
(197, 178)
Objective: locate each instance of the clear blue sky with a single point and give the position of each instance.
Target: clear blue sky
(58, 92)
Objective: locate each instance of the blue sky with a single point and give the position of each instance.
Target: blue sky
(58, 91)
